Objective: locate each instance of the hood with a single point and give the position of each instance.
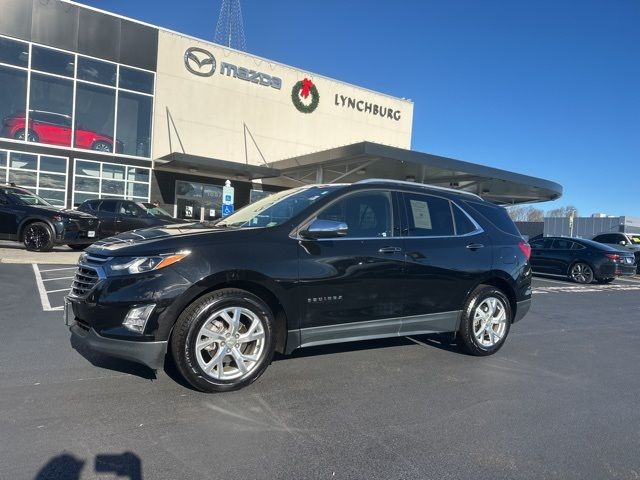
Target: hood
(63, 212)
(164, 239)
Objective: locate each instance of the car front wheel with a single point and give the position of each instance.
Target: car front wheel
(224, 340)
(38, 237)
(485, 322)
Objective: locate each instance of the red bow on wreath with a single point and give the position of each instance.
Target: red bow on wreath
(306, 87)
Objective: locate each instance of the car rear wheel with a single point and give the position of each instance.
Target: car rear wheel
(224, 340)
(31, 136)
(581, 273)
(101, 146)
(38, 237)
(485, 322)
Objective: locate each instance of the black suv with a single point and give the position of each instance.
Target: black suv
(117, 216)
(308, 266)
(27, 218)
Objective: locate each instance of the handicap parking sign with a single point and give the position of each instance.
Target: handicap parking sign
(227, 209)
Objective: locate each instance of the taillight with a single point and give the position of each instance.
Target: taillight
(612, 256)
(526, 249)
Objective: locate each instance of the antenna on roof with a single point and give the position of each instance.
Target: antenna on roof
(230, 27)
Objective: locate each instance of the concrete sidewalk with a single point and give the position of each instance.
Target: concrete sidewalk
(16, 253)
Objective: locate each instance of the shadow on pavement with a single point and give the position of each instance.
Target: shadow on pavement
(112, 363)
(67, 467)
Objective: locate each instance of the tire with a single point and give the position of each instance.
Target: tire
(77, 247)
(101, 146)
(474, 338)
(213, 366)
(582, 273)
(603, 281)
(31, 136)
(38, 237)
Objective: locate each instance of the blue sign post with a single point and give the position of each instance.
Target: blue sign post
(227, 199)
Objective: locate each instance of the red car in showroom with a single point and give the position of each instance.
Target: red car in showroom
(55, 129)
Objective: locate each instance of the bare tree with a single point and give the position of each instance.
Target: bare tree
(525, 214)
(564, 212)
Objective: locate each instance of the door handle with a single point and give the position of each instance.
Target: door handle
(390, 250)
(475, 246)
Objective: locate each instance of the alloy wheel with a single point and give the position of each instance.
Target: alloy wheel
(581, 273)
(230, 343)
(36, 237)
(490, 322)
(102, 147)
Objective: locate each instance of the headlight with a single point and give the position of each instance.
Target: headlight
(133, 265)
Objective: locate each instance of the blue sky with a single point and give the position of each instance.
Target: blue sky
(549, 88)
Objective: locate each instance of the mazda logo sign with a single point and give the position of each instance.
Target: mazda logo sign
(199, 61)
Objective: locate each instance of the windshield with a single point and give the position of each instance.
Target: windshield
(152, 209)
(276, 208)
(25, 196)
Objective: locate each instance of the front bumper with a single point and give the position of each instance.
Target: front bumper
(150, 354)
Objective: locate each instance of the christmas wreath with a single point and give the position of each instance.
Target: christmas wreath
(303, 89)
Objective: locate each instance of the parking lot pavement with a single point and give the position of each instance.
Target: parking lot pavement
(559, 401)
(12, 252)
(53, 283)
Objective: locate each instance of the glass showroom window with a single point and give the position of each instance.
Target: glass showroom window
(95, 115)
(14, 58)
(109, 180)
(134, 123)
(44, 175)
(50, 108)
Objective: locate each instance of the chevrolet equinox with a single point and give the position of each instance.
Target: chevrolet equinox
(309, 266)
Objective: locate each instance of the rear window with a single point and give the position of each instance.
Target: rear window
(496, 215)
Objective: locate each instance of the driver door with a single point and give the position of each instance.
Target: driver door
(349, 287)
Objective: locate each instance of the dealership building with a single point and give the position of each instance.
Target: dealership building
(95, 105)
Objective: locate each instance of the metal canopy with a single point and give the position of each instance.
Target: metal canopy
(362, 160)
(195, 164)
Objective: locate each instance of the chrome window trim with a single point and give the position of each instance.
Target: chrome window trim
(419, 185)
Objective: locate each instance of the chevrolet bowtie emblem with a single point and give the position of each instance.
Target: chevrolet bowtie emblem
(199, 61)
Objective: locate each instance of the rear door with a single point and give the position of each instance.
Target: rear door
(130, 217)
(447, 253)
(561, 256)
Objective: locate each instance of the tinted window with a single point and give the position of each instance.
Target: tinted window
(137, 80)
(96, 71)
(95, 116)
(52, 61)
(463, 224)
(577, 246)
(109, 207)
(14, 53)
(130, 208)
(134, 123)
(428, 216)
(561, 244)
(609, 238)
(367, 214)
(541, 244)
(496, 215)
(13, 101)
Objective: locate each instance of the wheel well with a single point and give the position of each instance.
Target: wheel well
(505, 288)
(28, 222)
(266, 296)
(579, 260)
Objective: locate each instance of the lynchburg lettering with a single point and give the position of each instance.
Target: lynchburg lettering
(366, 107)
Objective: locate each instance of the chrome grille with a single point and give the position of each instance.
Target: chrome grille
(84, 281)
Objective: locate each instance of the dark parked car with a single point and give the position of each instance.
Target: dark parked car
(27, 218)
(583, 261)
(623, 241)
(117, 216)
(309, 266)
(55, 129)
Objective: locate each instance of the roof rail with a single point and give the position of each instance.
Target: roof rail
(417, 184)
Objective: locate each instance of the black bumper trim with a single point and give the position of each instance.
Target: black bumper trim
(150, 354)
(521, 309)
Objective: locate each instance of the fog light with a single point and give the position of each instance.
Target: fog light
(137, 318)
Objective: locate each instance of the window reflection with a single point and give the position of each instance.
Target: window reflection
(95, 112)
(13, 100)
(14, 53)
(96, 71)
(137, 80)
(50, 107)
(52, 61)
(134, 123)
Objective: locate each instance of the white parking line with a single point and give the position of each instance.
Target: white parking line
(44, 297)
(59, 290)
(52, 279)
(56, 269)
(544, 279)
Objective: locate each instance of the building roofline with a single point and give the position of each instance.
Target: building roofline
(192, 37)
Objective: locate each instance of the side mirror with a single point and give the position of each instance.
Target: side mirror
(324, 229)
(623, 242)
